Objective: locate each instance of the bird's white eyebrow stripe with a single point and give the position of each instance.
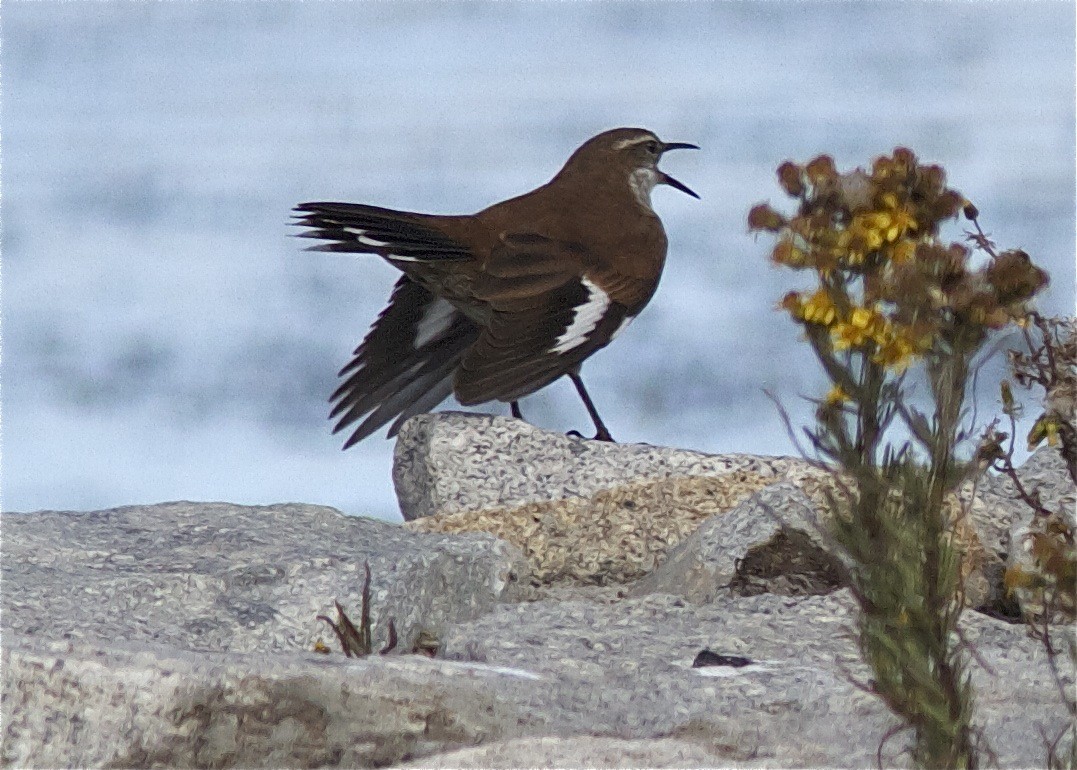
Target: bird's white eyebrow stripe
(585, 318)
(638, 140)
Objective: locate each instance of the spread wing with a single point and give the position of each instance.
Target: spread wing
(550, 308)
(405, 364)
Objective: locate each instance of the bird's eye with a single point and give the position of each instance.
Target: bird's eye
(652, 147)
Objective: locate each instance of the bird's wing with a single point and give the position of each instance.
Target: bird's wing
(548, 312)
(398, 236)
(405, 364)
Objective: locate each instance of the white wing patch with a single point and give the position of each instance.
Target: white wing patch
(436, 320)
(624, 325)
(584, 319)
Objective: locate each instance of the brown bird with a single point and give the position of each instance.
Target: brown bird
(496, 305)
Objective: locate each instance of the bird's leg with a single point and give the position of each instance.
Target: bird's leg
(514, 407)
(603, 434)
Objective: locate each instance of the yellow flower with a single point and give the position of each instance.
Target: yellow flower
(785, 253)
(895, 352)
(901, 222)
(862, 318)
(862, 326)
(844, 336)
(836, 396)
(878, 220)
(903, 251)
(820, 309)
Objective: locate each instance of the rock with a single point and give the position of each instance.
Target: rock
(629, 665)
(626, 530)
(1043, 474)
(229, 578)
(574, 679)
(583, 511)
(128, 637)
(773, 542)
(128, 633)
(615, 536)
(452, 462)
(583, 751)
(72, 704)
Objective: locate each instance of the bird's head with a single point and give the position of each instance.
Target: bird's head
(633, 153)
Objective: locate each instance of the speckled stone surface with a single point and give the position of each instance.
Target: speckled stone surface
(617, 535)
(589, 751)
(230, 578)
(75, 704)
(451, 462)
(626, 532)
(1044, 474)
(772, 542)
(783, 708)
(128, 633)
(622, 671)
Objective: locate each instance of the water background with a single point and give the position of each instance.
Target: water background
(164, 338)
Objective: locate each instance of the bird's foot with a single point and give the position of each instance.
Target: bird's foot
(602, 435)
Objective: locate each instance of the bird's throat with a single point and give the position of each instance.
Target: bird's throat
(642, 181)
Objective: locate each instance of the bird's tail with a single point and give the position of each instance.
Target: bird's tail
(398, 236)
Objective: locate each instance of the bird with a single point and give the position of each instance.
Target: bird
(496, 305)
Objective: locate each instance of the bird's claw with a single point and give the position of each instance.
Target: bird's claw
(602, 435)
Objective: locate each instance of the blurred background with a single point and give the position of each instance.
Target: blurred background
(165, 338)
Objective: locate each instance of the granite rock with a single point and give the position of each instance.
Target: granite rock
(780, 709)
(597, 513)
(1043, 474)
(128, 633)
(230, 578)
(773, 542)
(75, 704)
(587, 751)
(577, 678)
(102, 665)
(451, 462)
(615, 536)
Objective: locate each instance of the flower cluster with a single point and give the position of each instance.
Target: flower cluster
(888, 287)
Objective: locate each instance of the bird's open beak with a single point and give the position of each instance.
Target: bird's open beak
(665, 178)
(679, 146)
